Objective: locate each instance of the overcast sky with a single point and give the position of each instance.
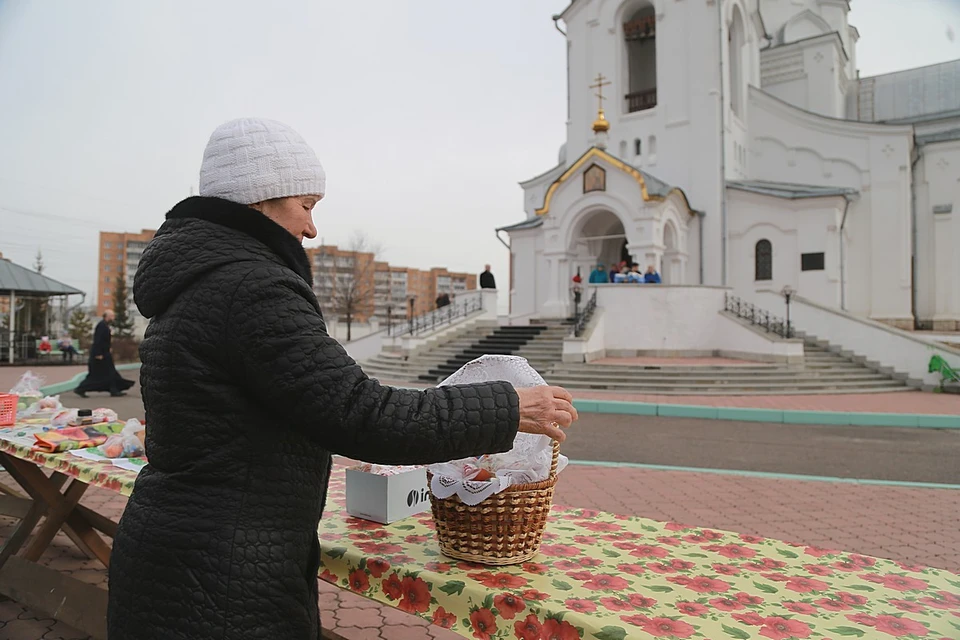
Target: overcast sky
(425, 113)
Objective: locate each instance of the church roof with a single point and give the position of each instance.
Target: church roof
(532, 223)
(788, 190)
(13, 277)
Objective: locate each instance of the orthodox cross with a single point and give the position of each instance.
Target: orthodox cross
(601, 83)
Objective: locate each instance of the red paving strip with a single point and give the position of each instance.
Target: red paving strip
(909, 524)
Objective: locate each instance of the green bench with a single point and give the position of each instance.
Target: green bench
(54, 352)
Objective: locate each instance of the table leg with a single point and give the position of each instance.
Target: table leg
(57, 515)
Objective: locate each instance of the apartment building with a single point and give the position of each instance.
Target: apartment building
(120, 254)
(381, 290)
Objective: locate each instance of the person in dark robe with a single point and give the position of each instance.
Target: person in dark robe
(102, 375)
(487, 280)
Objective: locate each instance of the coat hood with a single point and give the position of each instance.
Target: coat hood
(201, 235)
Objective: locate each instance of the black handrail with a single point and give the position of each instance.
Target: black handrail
(437, 318)
(583, 318)
(757, 317)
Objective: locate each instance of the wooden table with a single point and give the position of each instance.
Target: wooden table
(55, 499)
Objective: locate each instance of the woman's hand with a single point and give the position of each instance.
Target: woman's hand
(545, 410)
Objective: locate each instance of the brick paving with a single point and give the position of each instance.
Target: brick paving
(909, 524)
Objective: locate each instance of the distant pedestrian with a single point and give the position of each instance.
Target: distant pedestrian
(486, 279)
(651, 276)
(67, 350)
(599, 275)
(102, 374)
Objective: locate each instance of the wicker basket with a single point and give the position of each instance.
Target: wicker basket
(506, 528)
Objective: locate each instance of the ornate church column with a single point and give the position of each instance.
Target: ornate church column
(558, 289)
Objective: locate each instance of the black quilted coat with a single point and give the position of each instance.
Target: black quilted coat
(246, 398)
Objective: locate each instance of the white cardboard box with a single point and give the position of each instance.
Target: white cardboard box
(386, 499)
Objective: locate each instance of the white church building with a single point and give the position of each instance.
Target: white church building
(737, 146)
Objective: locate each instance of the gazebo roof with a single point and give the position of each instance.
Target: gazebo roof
(23, 281)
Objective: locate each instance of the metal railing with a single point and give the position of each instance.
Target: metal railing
(438, 317)
(757, 317)
(583, 318)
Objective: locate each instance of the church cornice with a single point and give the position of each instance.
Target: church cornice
(595, 153)
(824, 123)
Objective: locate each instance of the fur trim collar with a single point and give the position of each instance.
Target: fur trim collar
(249, 221)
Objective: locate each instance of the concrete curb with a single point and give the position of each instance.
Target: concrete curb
(782, 416)
(74, 382)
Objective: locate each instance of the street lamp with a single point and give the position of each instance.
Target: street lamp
(788, 292)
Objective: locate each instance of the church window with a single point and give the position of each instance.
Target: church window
(640, 39)
(763, 259)
(637, 146)
(811, 262)
(735, 44)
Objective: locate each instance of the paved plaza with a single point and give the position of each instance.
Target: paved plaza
(908, 523)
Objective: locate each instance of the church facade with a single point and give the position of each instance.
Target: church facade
(735, 145)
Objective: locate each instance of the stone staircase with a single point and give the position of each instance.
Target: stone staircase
(824, 371)
(541, 343)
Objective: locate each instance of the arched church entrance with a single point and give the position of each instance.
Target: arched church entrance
(600, 239)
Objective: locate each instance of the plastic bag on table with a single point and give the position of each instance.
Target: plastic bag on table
(28, 386)
(126, 444)
(68, 416)
(47, 405)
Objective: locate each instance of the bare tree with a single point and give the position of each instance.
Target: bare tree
(348, 276)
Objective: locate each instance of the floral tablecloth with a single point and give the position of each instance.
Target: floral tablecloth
(98, 474)
(610, 577)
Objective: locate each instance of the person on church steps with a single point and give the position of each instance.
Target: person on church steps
(614, 270)
(486, 278)
(247, 397)
(651, 276)
(102, 374)
(599, 275)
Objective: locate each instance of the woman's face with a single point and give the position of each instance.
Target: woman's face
(293, 214)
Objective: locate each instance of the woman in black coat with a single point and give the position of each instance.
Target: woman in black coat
(102, 374)
(246, 398)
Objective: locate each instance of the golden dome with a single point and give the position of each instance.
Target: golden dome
(601, 124)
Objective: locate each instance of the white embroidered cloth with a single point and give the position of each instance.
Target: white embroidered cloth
(528, 461)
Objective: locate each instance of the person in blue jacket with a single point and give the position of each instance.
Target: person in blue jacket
(651, 276)
(599, 275)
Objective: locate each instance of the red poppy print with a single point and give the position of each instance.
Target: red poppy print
(805, 585)
(831, 605)
(535, 567)
(356, 524)
(559, 550)
(624, 545)
(358, 581)
(605, 583)
(751, 618)
(681, 580)
(783, 629)
(534, 595)
(648, 551)
(326, 576)
(557, 630)
(661, 568)
(439, 567)
(670, 540)
(498, 581)
(588, 540)
(726, 569)
(800, 607)
(444, 619)
(674, 526)
(601, 527)
(378, 567)
(733, 551)
(528, 629)
(641, 602)
(897, 583)
(852, 599)
(898, 627)
(818, 570)
(703, 584)
(751, 539)
(861, 561)
(818, 552)
(379, 548)
(726, 604)
(681, 565)
(667, 628)
(580, 575)
(509, 605)
(696, 538)
(906, 566)
(691, 608)
(616, 604)
(590, 563)
(566, 565)
(484, 624)
(392, 587)
(416, 595)
(416, 539)
(907, 605)
(580, 605)
(766, 564)
(632, 569)
(862, 618)
(747, 599)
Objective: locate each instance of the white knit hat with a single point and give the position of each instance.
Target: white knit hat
(251, 160)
